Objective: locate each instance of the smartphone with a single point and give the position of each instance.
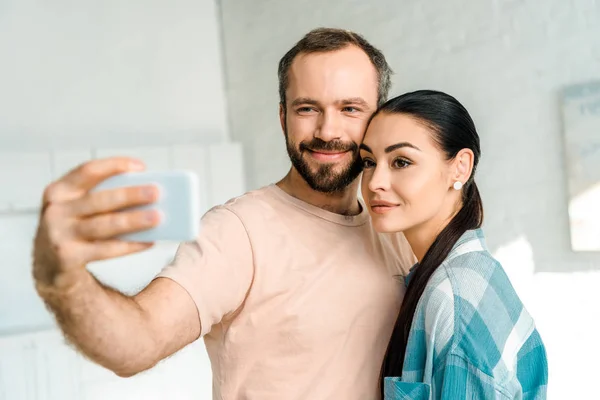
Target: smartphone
(178, 204)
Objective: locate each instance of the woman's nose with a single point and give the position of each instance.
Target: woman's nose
(380, 178)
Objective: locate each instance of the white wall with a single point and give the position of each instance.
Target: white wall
(89, 79)
(88, 73)
(506, 60)
(40, 366)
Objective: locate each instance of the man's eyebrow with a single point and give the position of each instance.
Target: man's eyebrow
(351, 100)
(304, 100)
(354, 100)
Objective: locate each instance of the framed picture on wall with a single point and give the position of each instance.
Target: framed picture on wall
(581, 126)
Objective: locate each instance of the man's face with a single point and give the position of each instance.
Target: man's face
(330, 98)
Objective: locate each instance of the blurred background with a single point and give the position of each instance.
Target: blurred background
(193, 84)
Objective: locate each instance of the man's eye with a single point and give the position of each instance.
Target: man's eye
(350, 109)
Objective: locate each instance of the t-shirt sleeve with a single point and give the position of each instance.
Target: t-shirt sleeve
(217, 268)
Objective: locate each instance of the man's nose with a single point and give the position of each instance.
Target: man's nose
(330, 127)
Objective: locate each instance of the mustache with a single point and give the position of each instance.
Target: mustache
(334, 145)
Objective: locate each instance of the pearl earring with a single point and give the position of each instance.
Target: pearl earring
(457, 185)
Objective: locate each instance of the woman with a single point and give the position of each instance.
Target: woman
(462, 331)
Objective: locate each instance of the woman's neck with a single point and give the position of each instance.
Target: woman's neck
(422, 236)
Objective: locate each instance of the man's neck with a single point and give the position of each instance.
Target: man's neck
(344, 202)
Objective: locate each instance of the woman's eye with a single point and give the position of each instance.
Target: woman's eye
(367, 163)
(400, 163)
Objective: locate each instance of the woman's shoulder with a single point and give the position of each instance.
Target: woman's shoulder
(472, 289)
(470, 268)
(483, 295)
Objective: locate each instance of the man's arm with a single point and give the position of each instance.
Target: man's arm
(124, 334)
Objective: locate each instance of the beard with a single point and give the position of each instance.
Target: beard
(327, 178)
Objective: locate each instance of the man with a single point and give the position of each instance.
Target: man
(292, 290)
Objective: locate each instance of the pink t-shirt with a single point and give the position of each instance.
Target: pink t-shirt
(295, 302)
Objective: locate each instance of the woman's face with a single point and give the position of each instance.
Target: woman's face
(407, 180)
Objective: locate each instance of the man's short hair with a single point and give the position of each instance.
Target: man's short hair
(322, 40)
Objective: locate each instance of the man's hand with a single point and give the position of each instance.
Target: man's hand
(124, 334)
(78, 226)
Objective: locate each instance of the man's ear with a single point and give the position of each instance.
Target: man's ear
(282, 117)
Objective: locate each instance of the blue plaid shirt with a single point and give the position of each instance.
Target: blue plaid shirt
(471, 337)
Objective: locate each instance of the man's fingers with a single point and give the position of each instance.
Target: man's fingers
(88, 175)
(109, 249)
(111, 200)
(107, 226)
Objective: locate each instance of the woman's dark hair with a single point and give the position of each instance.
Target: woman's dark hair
(453, 130)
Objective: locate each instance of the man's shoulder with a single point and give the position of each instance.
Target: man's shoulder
(401, 245)
(396, 246)
(248, 206)
(252, 198)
